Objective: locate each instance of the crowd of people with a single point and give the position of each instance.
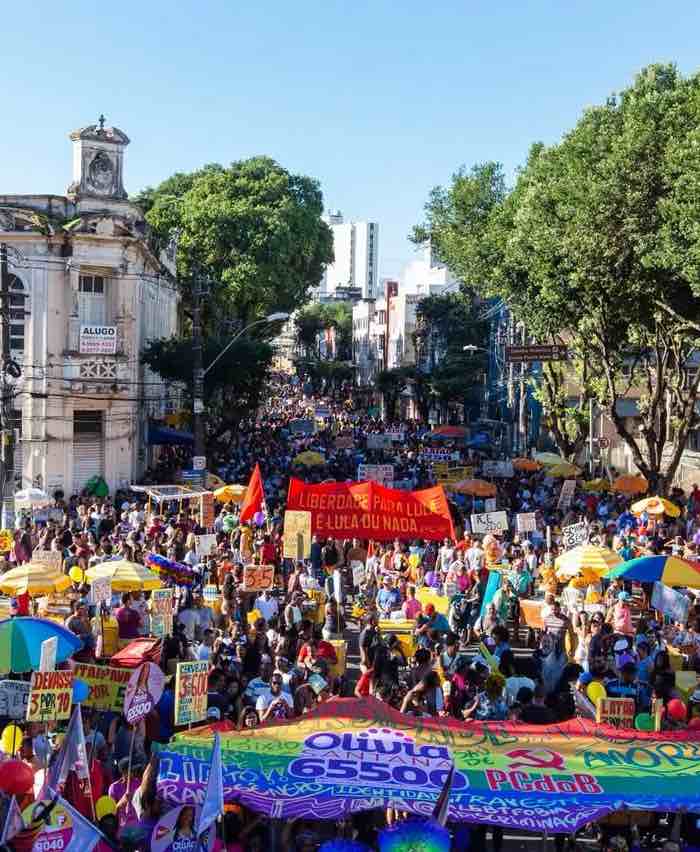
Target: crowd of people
(471, 650)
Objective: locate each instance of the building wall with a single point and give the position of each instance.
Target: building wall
(356, 248)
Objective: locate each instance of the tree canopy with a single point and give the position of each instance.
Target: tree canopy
(318, 317)
(597, 245)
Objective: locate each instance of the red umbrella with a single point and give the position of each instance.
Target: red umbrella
(451, 431)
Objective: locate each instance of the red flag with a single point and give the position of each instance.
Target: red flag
(252, 502)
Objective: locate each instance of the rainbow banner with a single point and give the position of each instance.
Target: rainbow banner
(354, 755)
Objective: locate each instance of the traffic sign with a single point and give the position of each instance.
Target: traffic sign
(547, 352)
(199, 462)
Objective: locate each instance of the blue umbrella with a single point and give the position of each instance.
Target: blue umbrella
(21, 638)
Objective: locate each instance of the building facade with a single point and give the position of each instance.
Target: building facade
(88, 295)
(356, 250)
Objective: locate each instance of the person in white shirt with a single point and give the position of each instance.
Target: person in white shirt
(204, 650)
(274, 702)
(191, 558)
(189, 619)
(446, 555)
(267, 605)
(475, 557)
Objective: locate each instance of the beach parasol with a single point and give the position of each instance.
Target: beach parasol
(564, 470)
(529, 465)
(588, 557)
(475, 487)
(125, 576)
(656, 506)
(34, 579)
(213, 481)
(549, 459)
(31, 498)
(230, 493)
(600, 484)
(309, 458)
(21, 638)
(630, 484)
(669, 570)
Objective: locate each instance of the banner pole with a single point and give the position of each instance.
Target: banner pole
(131, 754)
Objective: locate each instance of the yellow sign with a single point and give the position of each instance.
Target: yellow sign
(107, 685)
(191, 692)
(51, 696)
(427, 596)
(296, 540)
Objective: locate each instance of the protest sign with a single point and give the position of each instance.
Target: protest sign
(50, 696)
(14, 698)
(566, 495)
(56, 832)
(618, 712)
(256, 578)
(162, 612)
(359, 572)
(107, 685)
(497, 469)
(175, 832)
(381, 473)
(143, 692)
(672, 603)
(531, 614)
(205, 544)
(396, 435)
(191, 692)
(379, 442)
(49, 649)
(101, 591)
(51, 558)
(489, 522)
(296, 539)
(440, 456)
(526, 522)
(574, 535)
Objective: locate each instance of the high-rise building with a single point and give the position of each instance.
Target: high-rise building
(356, 249)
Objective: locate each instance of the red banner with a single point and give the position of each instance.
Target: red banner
(368, 510)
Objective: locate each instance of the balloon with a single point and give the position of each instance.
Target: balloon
(259, 519)
(644, 722)
(596, 691)
(105, 806)
(677, 710)
(76, 574)
(694, 723)
(11, 739)
(16, 777)
(229, 524)
(80, 691)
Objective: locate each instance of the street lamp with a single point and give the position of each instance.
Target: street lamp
(471, 348)
(278, 316)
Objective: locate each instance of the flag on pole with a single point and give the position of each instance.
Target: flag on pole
(213, 805)
(253, 500)
(442, 805)
(85, 836)
(72, 755)
(13, 822)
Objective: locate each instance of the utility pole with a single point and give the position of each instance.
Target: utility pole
(199, 461)
(8, 434)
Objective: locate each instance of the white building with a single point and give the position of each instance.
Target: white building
(95, 295)
(356, 250)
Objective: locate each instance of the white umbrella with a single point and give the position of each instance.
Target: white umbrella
(31, 498)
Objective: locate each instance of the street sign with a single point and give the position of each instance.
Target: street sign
(199, 462)
(547, 352)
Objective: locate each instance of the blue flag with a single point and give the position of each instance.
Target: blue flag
(213, 805)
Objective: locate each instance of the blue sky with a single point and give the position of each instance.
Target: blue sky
(378, 100)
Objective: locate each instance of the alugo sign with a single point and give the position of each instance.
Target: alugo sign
(553, 352)
(98, 339)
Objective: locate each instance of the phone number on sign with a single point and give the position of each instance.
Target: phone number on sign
(348, 770)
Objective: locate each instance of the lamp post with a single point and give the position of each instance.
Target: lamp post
(200, 374)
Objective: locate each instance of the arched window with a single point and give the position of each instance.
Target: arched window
(17, 315)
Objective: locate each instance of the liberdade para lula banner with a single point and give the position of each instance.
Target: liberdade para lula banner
(353, 755)
(370, 510)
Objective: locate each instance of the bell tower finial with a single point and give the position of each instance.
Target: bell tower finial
(102, 120)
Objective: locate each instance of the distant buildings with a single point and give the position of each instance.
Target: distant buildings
(356, 248)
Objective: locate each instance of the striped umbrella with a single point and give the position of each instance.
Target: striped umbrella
(34, 579)
(125, 576)
(669, 570)
(656, 506)
(588, 557)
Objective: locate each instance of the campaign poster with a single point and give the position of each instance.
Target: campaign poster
(143, 692)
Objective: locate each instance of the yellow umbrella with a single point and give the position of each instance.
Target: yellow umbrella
(34, 578)
(310, 459)
(125, 576)
(656, 506)
(475, 487)
(586, 557)
(549, 458)
(230, 493)
(529, 465)
(214, 481)
(601, 484)
(564, 470)
(629, 484)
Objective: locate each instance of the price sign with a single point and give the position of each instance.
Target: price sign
(256, 578)
(14, 698)
(191, 680)
(50, 696)
(489, 522)
(618, 712)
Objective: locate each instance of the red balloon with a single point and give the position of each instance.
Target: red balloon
(15, 777)
(694, 724)
(677, 710)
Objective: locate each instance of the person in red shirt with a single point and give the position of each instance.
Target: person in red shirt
(318, 648)
(128, 619)
(268, 552)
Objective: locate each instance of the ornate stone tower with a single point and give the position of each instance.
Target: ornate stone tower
(98, 158)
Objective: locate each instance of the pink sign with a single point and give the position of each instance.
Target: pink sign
(143, 692)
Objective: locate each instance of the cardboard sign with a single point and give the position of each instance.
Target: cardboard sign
(107, 685)
(205, 544)
(14, 698)
(162, 612)
(100, 591)
(52, 558)
(381, 473)
(497, 469)
(489, 522)
(618, 712)
(359, 572)
(672, 603)
(526, 522)
(49, 649)
(191, 681)
(50, 696)
(296, 538)
(566, 495)
(574, 535)
(257, 578)
(206, 510)
(531, 613)
(143, 692)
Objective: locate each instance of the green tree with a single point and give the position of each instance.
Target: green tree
(314, 319)
(390, 383)
(253, 229)
(597, 246)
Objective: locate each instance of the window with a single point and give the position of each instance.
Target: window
(17, 314)
(92, 305)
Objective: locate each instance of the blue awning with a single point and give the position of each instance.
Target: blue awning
(166, 435)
